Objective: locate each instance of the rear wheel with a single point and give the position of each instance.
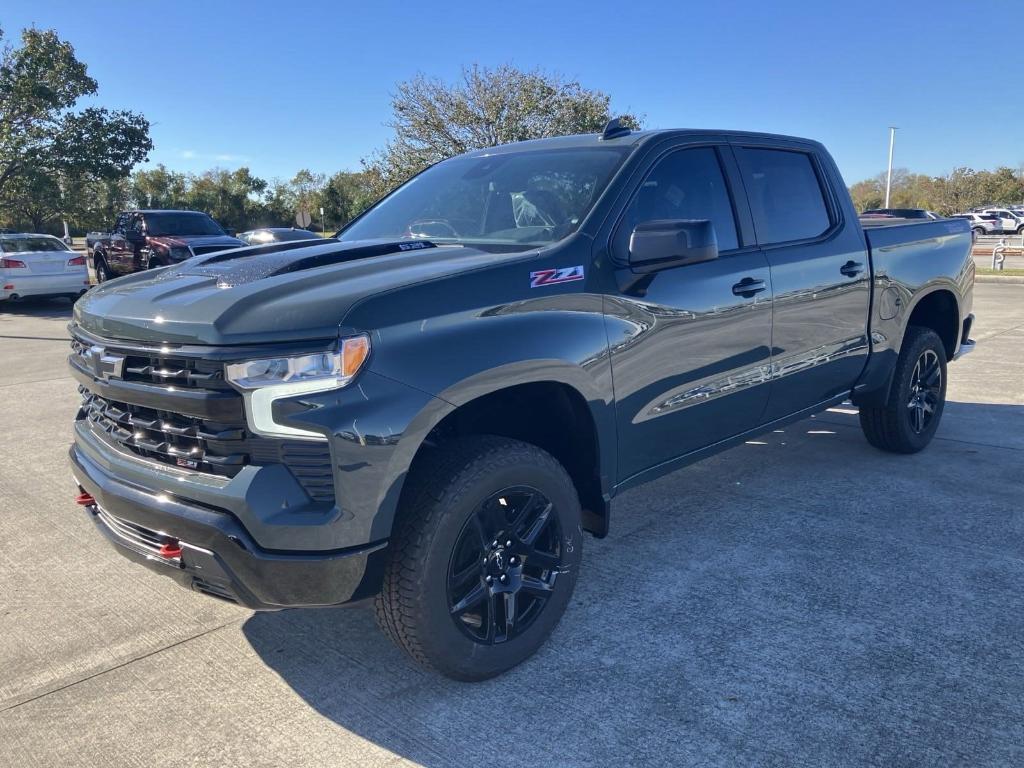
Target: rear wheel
(484, 557)
(909, 418)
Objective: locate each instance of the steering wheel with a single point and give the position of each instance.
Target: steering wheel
(416, 228)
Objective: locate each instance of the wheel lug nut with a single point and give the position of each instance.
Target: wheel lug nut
(489, 579)
(513, 561)
(504, 578)
(508, 543)
(494, 544)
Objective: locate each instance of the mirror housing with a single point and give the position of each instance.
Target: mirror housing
(134, 236)
(665, 243)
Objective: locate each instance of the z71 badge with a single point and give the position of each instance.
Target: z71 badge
(543, 277)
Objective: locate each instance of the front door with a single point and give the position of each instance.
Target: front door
(819, 272)
(122, 254)
(690, 345)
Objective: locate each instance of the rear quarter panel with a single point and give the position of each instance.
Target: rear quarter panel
(910, 262)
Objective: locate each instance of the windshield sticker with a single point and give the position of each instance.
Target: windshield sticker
(544, 277)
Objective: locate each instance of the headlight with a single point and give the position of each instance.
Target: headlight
(179, 253)
(266, 380)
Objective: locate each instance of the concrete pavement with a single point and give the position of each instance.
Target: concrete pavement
(799, 600)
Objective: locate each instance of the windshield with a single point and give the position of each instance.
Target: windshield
(31, 245)
(510, 201)
(158, 224)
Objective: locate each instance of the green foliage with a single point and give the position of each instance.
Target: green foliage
(47, 150)
(434, 120)
(958, 191)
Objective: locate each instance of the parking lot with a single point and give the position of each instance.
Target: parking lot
(801, 600)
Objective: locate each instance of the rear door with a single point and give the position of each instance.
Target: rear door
(689, 345)
(819, 272)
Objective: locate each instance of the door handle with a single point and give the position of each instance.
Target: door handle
(748, 286)
(852, 268)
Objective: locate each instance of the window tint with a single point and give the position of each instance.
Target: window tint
(785, 195)
(687, 184)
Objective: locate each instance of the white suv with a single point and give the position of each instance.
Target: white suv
(1010, 221)
(982, 223)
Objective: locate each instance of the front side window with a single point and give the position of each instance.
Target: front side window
(785, 195)
(687, 184)
(507, 201)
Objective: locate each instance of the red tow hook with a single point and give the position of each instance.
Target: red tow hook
(171, 550)
(85, 499)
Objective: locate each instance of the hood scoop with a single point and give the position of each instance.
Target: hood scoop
(248, 265)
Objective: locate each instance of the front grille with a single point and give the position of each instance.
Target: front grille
(201, 250)
(155, 368)
(192, 443)
(174, 439)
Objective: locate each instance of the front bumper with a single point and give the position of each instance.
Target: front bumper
(217, 555)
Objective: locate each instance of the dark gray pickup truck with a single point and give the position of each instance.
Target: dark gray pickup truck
(432, 409)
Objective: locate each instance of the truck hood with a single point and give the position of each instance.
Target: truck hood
(204, 240)
(277, 293)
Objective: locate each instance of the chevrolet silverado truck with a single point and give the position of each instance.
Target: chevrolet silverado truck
(149, 239)
(432, 409)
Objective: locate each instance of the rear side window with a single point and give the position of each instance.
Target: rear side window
(785, 195)
(687, 184)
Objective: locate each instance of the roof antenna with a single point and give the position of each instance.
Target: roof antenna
(614, 129)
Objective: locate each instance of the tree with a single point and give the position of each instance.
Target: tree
(159, 188)
(345, 196)
(45, 146)
(231, 197)
(434, 120)
(307, 188)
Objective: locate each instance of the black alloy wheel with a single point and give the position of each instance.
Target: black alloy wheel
(909, 417)
(504, 565)
(925, 391)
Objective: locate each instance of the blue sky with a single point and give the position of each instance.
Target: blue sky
(280, 86)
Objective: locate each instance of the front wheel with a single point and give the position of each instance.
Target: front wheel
(102, 273)
(917, 397)
(484, 557)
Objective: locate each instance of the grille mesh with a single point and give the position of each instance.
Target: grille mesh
(195, 444)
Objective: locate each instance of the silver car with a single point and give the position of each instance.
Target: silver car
(40, 265)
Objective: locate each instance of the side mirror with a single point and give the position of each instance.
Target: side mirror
(134, 236)
(666, 243)
(229, 232)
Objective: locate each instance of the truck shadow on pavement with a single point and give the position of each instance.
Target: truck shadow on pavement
(803, 599)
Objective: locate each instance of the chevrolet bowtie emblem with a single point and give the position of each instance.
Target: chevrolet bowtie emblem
(103, 364)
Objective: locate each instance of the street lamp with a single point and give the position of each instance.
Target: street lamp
(888, 177)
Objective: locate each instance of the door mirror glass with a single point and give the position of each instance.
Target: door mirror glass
(665, 243)
(133, 236)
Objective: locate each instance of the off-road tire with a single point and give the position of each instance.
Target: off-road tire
(889, 427)
(444, 491)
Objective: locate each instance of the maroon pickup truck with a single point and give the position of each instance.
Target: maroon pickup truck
(148, 239)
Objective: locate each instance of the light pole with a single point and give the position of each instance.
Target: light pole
(888, 176)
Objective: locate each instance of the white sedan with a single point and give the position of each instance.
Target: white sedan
(40, 265)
